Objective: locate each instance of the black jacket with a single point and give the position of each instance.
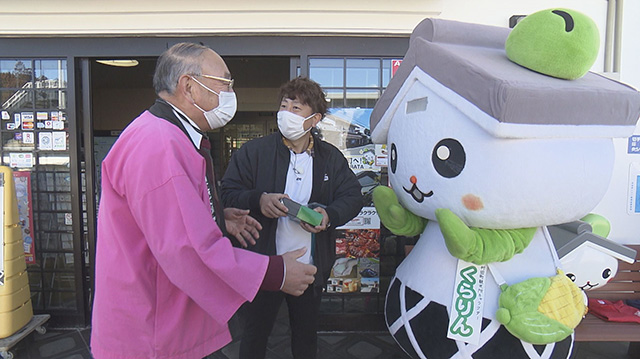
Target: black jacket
(261, 165)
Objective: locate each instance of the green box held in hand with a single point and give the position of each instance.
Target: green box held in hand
(310, 216)
(302, 213)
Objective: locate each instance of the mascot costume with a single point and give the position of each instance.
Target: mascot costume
(494, 136)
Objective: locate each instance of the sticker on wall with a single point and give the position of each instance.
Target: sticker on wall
(17, 136)
(41, 116)
(382, 155)
(54, 116)
(11, 126)
(27, 120)
(28, 138)
(59, 141)
(634, 145)
(5, 115)
(21, 159)
(395, 65)
(27, 116)
(45, 141)
(48, 124)
(16, 119)
(363, 158)
(27, 125)
(633, 206)
(57, 125)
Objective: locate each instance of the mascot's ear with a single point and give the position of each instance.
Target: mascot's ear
(561, 43)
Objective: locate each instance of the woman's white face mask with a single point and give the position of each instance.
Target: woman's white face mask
(291, 125)
(221, 115)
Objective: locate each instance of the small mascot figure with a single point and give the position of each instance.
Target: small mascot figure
(494, 136)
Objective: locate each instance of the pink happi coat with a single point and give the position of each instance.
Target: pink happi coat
(167, 281)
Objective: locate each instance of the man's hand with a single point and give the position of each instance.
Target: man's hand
(297, 276)
(242, 226)
(270, 205)
(319, 228)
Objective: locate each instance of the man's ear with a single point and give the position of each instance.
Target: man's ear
(317, 117)
(184, 87)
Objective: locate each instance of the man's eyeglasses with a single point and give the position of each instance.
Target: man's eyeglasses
(229, 82)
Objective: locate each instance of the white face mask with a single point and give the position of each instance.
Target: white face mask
(221, 115)
(291, 125)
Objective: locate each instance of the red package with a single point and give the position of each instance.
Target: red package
(613, 311)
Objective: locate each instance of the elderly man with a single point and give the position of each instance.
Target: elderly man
(167, 280)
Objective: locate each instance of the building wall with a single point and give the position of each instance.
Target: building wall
(76, 17)
(625, 227)
(630, 61)
(498, 12)
(380, 18)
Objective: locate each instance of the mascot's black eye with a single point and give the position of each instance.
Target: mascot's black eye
(571, 276)
(606, 273)
(394, 158)
(448, 158)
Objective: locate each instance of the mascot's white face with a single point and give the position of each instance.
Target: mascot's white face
(440, 158)
(589, 268)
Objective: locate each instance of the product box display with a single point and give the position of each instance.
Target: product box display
(370, 285)
(358, 243)
(344, 276)
(350, 275)
(369, 267)
(343, 285)
(369, 272)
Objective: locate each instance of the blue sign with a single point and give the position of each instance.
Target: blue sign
(637, 195)
(634, 145)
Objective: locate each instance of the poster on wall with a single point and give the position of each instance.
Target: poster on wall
(357, 266)
(22, 180)
(348, 130)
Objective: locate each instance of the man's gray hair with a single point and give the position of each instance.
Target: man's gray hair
(180, 59)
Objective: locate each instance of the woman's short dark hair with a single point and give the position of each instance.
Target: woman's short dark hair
(306, 91)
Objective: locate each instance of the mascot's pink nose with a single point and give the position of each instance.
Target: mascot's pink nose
(413, 179)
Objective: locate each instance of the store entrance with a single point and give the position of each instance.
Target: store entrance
(119, 94)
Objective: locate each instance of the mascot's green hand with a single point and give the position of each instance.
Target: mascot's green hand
(396, 218)
(479, 245)
(599, 224)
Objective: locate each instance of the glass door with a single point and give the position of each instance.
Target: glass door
(36, 144)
